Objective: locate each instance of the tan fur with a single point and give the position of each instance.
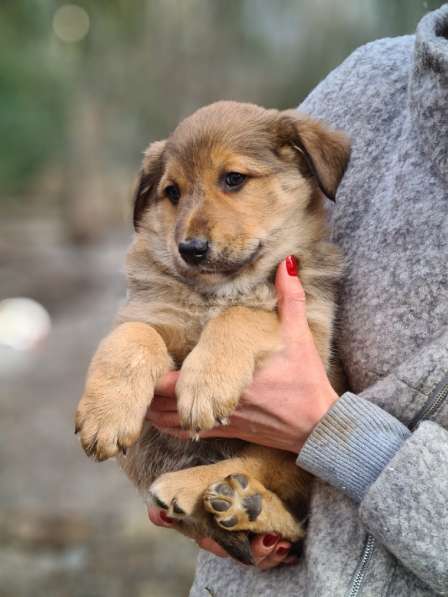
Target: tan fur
(217, 320)
(114, 405)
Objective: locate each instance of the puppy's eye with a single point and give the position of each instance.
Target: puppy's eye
(173, 193)
(233, 180)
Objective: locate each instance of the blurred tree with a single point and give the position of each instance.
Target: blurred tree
(85, 110)
(32, 95)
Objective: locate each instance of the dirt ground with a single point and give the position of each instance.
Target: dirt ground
(69, 527)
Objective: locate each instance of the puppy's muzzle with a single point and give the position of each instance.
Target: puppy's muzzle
(193, 251)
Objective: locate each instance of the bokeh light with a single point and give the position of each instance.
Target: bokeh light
(71, 23)
(23, 323)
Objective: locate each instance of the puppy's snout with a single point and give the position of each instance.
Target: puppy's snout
(193, 250)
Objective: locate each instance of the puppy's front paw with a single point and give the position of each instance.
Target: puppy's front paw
(109, 419)
(119, 389)
(208, 390)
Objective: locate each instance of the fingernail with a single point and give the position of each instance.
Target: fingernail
(270, 540)
(292, 265)
(282, 551)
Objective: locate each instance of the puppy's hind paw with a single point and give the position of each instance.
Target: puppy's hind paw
(236, 502)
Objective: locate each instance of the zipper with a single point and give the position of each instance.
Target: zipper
(360, 573)
(435, 401)
(430, 408)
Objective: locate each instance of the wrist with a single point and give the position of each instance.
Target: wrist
(352, 445)
(320, 405)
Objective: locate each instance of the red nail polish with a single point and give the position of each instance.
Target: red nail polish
(165, 517)
(270, 540)
(292, 265)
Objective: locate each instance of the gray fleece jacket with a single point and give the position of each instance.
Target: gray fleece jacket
(379, 514)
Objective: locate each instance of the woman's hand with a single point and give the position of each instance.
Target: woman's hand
(268, 550)
(287, 397)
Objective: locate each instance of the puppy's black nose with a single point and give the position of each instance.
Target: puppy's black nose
(193, 250)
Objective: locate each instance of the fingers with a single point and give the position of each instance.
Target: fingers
(163, 404)
(269, 550)
(166, 386)
(159, 517)
(161, 420)
(291, 302)
(211, 546)
(176, 432)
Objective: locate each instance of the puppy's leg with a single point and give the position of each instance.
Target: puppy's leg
(242, 494)
(119, 388)
(269, 495)
(215, 373)
(241, 503)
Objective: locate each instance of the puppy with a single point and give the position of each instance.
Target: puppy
(231, 192)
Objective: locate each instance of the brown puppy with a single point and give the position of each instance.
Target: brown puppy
(233, 191)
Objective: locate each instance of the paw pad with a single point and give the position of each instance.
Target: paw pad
(233, 502)
(252, 506)
(220, 505)
(243, 480)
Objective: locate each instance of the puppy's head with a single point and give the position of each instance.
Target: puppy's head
(234, 189)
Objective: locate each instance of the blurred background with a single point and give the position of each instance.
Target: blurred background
(84, 87)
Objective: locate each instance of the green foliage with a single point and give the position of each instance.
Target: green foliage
(146, 63)
(32, 96)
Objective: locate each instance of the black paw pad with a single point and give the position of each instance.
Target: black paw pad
(229, 522)
(220, 505)
(224, 489)
(243, 480)
(252, 505)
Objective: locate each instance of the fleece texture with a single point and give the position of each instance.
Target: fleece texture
(391, 220)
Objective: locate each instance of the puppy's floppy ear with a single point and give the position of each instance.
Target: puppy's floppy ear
(150, 174)
(324, 151)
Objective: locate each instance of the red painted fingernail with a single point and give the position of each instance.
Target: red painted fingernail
(164, 516)
(292, 265)
(282, 551)
(270, 540)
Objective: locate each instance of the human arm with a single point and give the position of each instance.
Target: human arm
(401, 488)
(269, 412)
(385, 497)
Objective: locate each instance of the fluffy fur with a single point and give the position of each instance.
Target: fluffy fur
(215, 318)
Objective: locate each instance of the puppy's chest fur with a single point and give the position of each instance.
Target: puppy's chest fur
(177, 310)
(180, 314)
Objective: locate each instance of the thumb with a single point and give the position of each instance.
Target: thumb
(291, 299)
(166, 386)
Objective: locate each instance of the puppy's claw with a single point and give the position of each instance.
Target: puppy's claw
(177, 509)
(223, 421)
(158, 502)
(90, 449)
(101, 457)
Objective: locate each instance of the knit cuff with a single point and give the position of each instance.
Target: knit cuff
(352, 444)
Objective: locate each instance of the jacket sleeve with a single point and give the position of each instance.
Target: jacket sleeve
(395, 464)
